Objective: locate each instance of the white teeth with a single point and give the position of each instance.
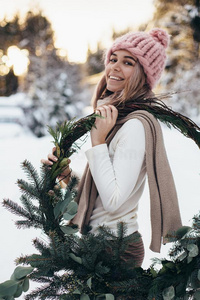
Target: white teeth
(116, 78)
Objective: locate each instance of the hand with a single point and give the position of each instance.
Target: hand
(103, 125)
(66, 172)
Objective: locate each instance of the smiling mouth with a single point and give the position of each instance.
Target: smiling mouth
(115, 78)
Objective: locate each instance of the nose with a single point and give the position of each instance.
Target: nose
(116, 66)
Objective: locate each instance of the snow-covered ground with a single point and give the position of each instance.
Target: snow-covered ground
(184, 157)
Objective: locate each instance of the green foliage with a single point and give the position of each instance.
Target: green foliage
(21, 272)
(179, 277)
(44, 205)
(70, 266)
(8, 288)
(165, 114)
(67, 133)
(65, 137)
(168, 293)
(17, 284)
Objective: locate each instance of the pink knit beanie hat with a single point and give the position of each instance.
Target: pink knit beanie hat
(149, 48)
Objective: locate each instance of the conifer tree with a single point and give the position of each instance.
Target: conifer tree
(181, 19)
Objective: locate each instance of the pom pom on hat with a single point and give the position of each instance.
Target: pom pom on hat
(161, 36)
(149, 48)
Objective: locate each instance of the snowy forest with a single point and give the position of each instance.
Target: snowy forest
(39, 89)
(52, 89)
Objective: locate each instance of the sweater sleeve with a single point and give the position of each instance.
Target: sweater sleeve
(116, 175)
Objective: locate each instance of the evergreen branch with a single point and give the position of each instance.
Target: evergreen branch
(74, 242)
(16, 209)
(121, 230)
(165, 114)
(196, 222)
(41, 279)
(66, 134)
(107, 232)
(89, 254)
(47, 183)
(32, 209)
(54, 243)
(45, 292)
(41, 247)
(55, 287)
(28, 189)
(29, 223)
(92, 264)
(181, 123)
(31, 173)
(138, 285)
(46, 207)
(72, 185)
(32, 219)
(44, 264)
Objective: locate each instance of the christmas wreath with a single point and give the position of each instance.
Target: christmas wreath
(70, 266)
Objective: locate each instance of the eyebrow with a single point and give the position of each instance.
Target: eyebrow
(130, 57)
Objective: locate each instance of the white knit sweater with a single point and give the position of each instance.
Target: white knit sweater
(119, 173)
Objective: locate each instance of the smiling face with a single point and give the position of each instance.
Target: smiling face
(119, 70)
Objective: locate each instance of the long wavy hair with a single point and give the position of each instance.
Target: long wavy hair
(137, 95)
(135, 88)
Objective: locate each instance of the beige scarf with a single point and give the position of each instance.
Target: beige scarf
(165, 215)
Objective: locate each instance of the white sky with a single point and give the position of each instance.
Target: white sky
(79, 23)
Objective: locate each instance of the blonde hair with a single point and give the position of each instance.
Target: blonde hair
(135, 88)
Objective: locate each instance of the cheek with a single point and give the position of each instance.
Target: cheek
(128, 73)
(107, 70)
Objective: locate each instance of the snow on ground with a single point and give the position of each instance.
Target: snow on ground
(184, 157)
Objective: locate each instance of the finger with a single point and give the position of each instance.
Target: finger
(65, 172)
(114, 112)
(52, 157)
(102, 111)
(65, 167)
(53, 150)
(97, 112)
(108, 112)
(46, 162)
(65, 175)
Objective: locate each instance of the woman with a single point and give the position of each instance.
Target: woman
(127, 145)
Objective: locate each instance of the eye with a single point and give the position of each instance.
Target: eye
(128, 63)
(113, 60)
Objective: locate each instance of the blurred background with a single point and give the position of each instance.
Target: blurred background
(51, 54)
(51, 57)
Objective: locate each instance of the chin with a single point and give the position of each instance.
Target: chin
(114, 89)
